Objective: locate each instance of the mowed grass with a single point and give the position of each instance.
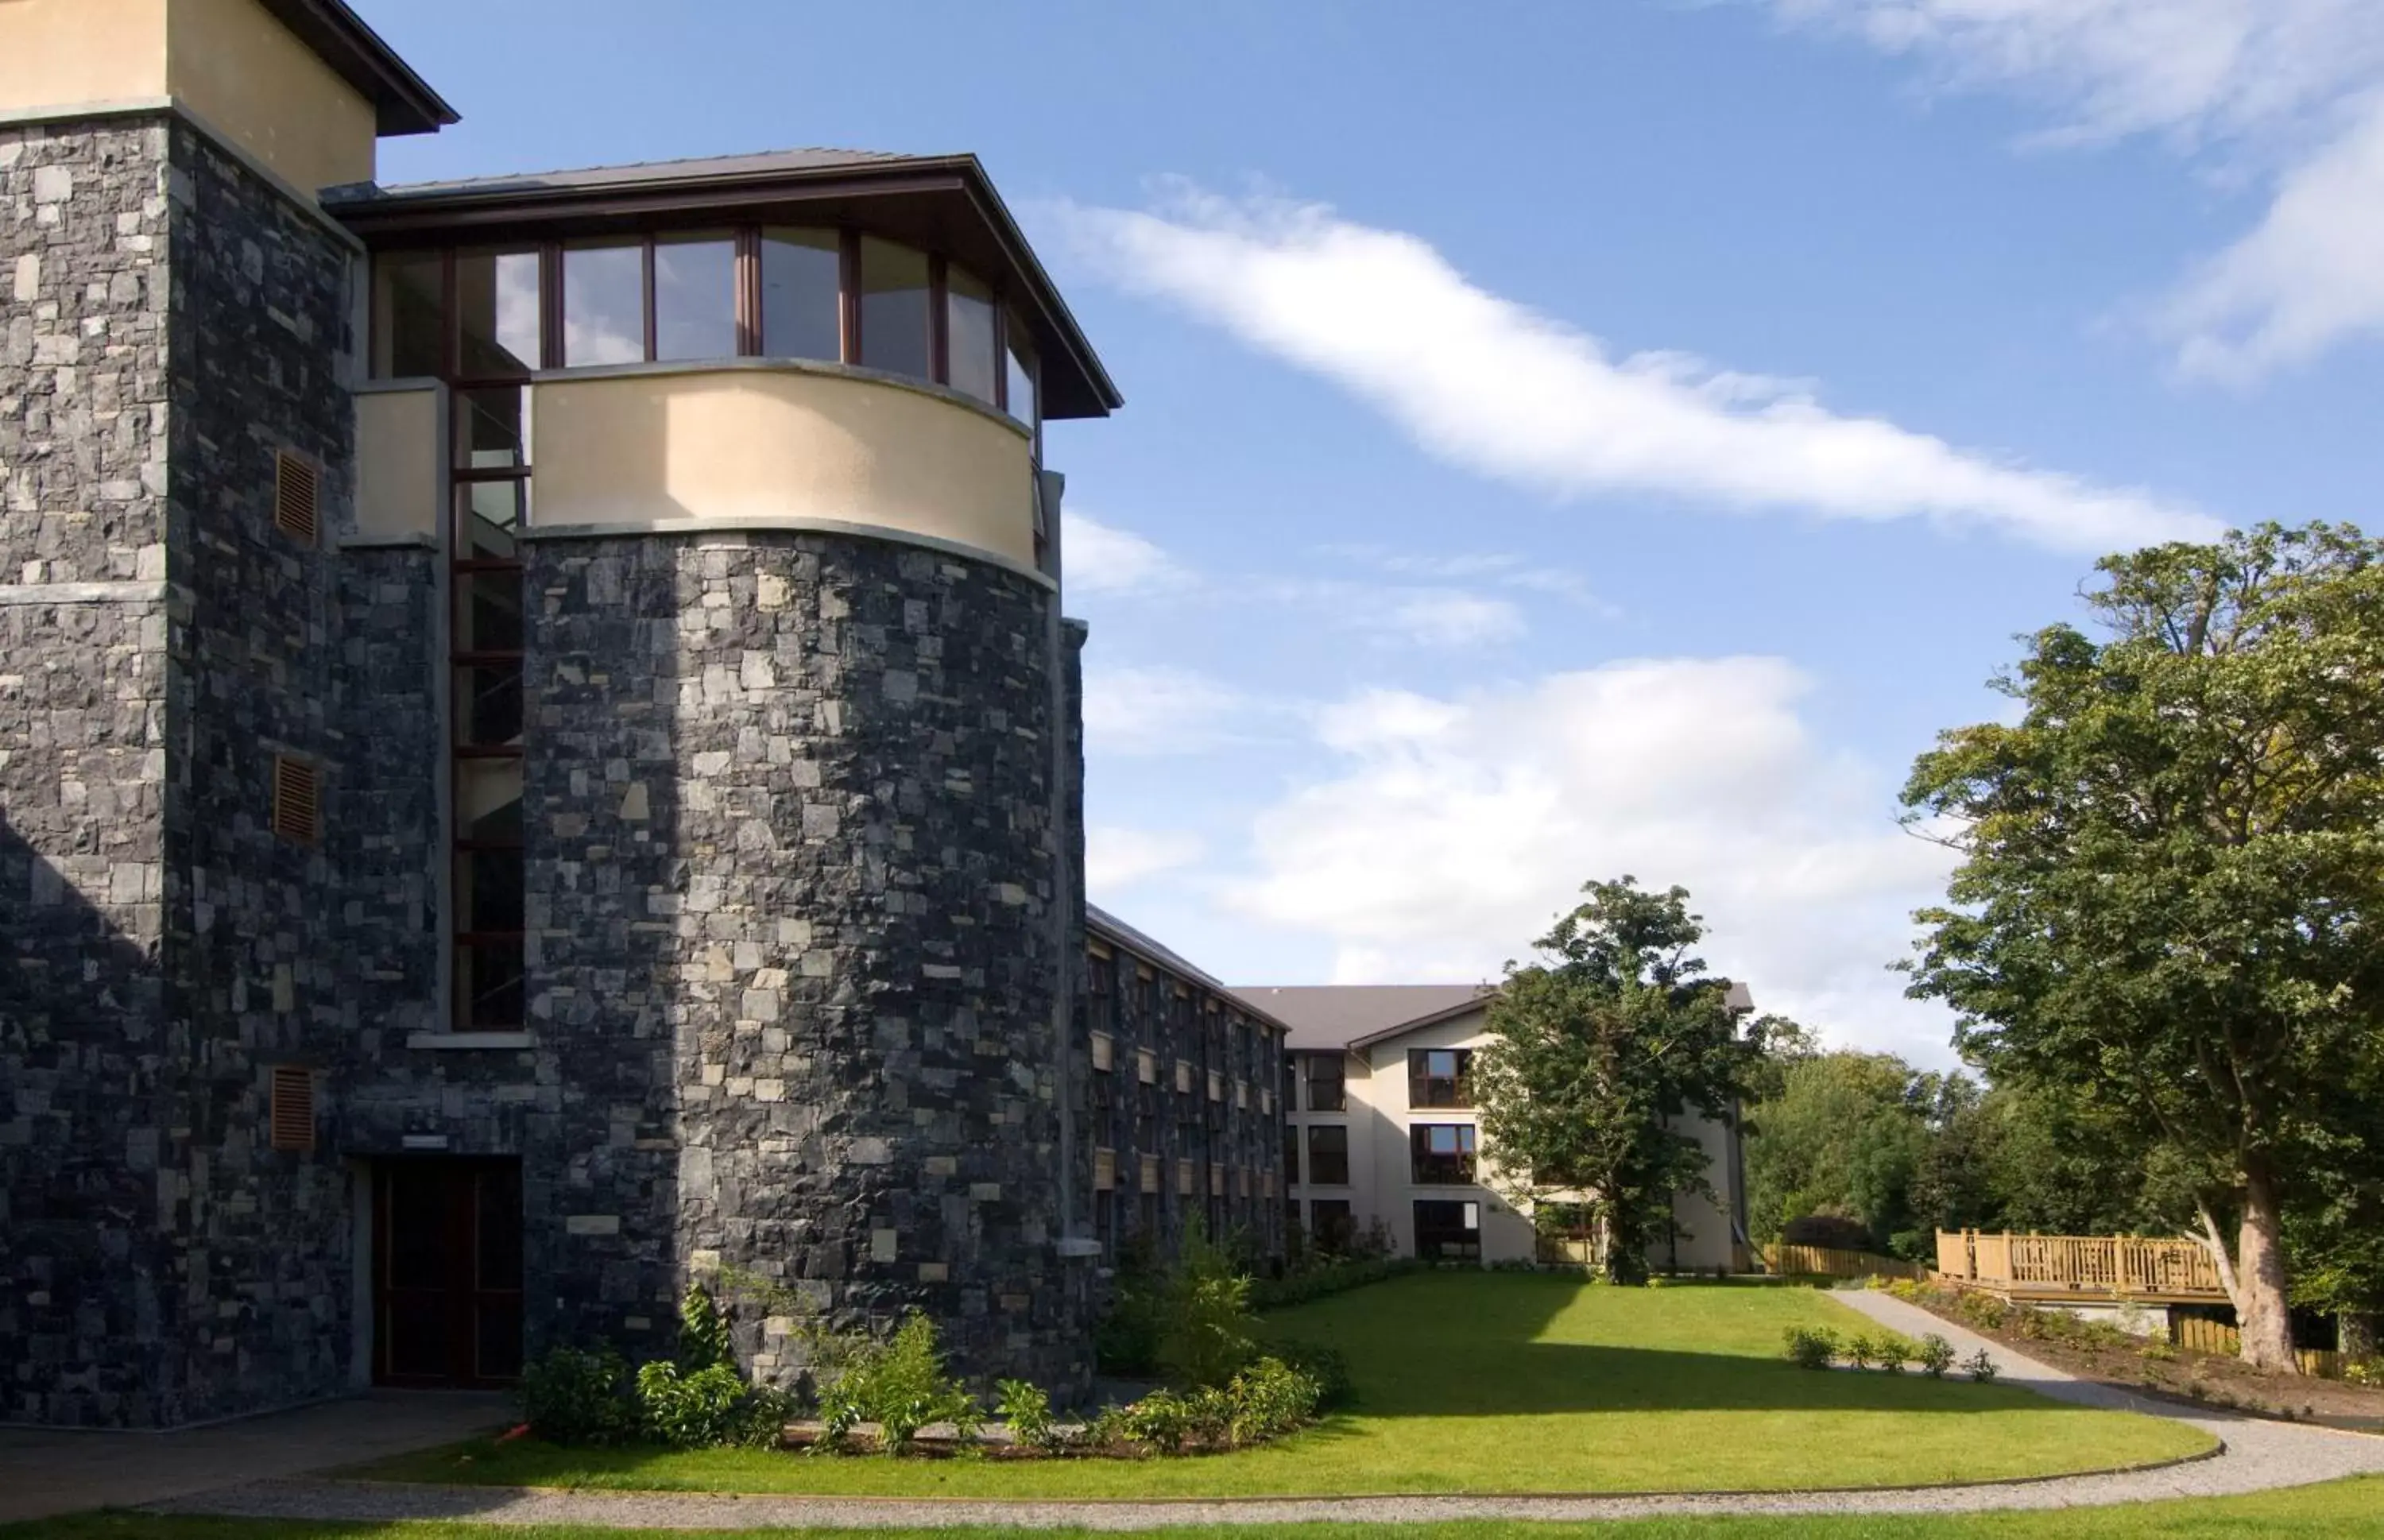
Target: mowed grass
(2349, 1509)
(1472, 1381)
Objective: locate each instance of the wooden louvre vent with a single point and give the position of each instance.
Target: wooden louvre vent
(294, 1107)
(297, 487)
(297, 801)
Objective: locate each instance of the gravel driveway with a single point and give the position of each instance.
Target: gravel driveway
(2258, 1455)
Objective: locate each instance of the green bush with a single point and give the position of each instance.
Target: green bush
(1125, 1340)
(1811, 1346)
(577, 1397)
(1159, 1420)
(1936, 1356)
(1980, 1366)
(2367, 1371)
(1269, 1399)
(1893, 1351)
(702, 1332)
(1027, 1408)
(689, 1412)
(1328, 1278)
(1983, 1310)
(1204, 1335)
(1327, 1366)
(898, 1384)
(1859, 1349)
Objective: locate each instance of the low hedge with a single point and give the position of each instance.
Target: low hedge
(1318, 1283)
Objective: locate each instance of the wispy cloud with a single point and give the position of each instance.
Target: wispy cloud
(1103, 559)
(2288, 91)
(1117, 857)
(1491, 385)
(1446, 831)
(1161, 710)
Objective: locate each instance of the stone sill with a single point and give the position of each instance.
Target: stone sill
(471, 1040)
(1078, 1246)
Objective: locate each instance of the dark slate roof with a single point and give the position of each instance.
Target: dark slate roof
(403, 101)
(638, 173)
(1336, 1015)
(1347, 1016)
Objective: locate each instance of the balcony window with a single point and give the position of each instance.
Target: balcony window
(1445, 1229)
(1436, 1077)
(498, 314)
(409, 314)
(604, 304)
(1441, 1153)
(894, 313)
(1325, 1091)
(970, 361)
(695, 296)
(1328, 1155)
(802, 289)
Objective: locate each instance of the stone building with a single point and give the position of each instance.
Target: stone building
(539, 748)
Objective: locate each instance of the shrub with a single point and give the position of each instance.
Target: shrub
(1983, 1310)
(902, 1386)
(1269, 1399)
(1980, 1366)
(1811, 1346)
(1326, 1278)
(2158, 1351)
(1936, 1356)
(1126, 1341)
(1159, 1420)
(1027, 1409)
(576, 1396)
(2365, 1372)
(1204, 1335)
(1326, 1366)
(702, 1332)
(689, 1412)
(1860, 1349)
(1893, 1351)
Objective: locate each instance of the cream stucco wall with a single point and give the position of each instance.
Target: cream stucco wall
(780, 441)
(1379, 1119)
(399, 484)
(228, 61)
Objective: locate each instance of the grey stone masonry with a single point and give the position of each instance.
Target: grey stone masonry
(790, 871)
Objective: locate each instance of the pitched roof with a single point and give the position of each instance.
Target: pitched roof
(1352, 1015)
(636, 173)
(1110, 928)
(1337, 1015)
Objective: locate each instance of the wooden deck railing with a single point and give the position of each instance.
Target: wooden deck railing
(2119, 1266)
(1827, 1262)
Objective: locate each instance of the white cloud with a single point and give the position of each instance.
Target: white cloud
(2289, 88)
(1101, 558)
(1117, 857)
(1452, 617)
(1491, 385)
(1158, 710)
(1452, 830)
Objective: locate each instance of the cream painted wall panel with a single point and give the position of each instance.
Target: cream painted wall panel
(397, 462)
(69, 53)
(760, 443)
(248, 77)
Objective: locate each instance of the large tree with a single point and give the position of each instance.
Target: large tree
(1598, 1056)
(2173, 869)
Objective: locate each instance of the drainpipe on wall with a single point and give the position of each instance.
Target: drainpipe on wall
(1071, 1242)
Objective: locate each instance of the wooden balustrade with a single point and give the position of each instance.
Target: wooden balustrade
(2119, 1266)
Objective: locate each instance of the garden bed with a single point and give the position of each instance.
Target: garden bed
(2096, 1350)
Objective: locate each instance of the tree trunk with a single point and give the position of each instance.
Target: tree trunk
(2356, 1334)
(2260, 1309)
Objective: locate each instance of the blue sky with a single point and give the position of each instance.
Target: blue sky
(1564, 439)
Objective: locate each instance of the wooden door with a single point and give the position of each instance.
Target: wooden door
(447, 1254)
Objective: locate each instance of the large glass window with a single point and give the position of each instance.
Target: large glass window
(409, 314)
(498, 314)
(968, 335)
(1447, 1229)
(1325, 1093)
(1328, 1155)
(1441, 1153)
(1331, 1224)
(894, 332)
(485, 718)
(803, 287)
(695, 296)
(1436, 1077)
(604, 304)
(1018, 363)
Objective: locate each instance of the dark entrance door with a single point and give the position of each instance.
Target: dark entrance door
(447, 1272)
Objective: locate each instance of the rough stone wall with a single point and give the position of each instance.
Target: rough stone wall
(258, 324)
(89, 1077)
(789, 869)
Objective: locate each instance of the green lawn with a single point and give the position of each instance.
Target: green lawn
(1495, 1383)
(2341, 1508)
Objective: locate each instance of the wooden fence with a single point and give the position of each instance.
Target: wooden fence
(2217, 1336)
(2116, 1266)
(1832, 1263)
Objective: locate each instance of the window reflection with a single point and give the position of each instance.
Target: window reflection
(486, 515)
(968, 333)
(802, 281)
(492, 428)
(604, 305)
(497, 307)
(409, 314)
(1020, 365)
(894, 308)
(695, 296)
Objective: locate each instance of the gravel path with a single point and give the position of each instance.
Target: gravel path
(2258, 1455)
